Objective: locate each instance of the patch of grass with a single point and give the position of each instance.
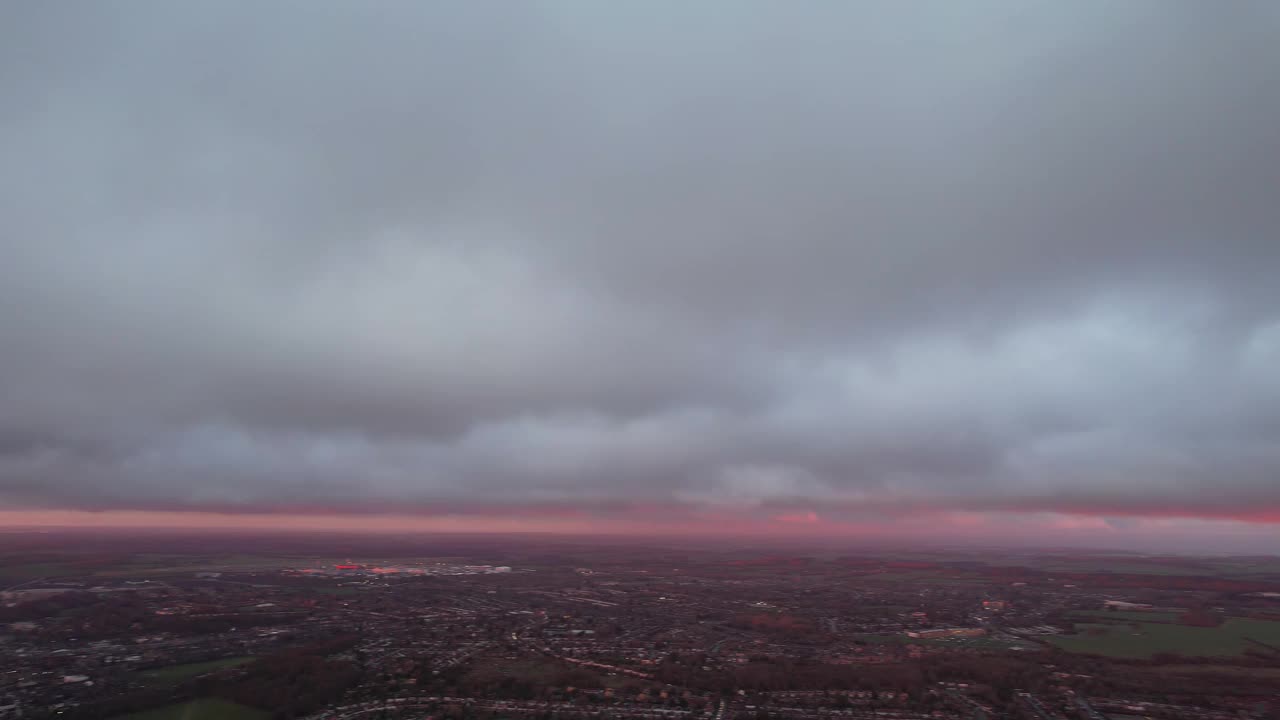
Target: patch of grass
(1261, 673)
(997, 642)
(1230, 639)
(162, 564)
(546, 671)
(881, 638)
(1130, 567)
(931, 576)
(202, 709)
(31, 571)
(1249, 567)
(1263, 631)
(894, 575)
(983, 641)
(176, 674)
(1128, 615)
(886, 609)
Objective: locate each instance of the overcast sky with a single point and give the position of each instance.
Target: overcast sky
(766, 258)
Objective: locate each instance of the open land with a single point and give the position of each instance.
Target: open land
(202, 709)
(336, 627)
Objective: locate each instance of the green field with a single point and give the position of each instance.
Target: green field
(31, 571)
(202, 709)
(1230, 639)
(930, 576)
(881, 638)
(175, 674)
(1128, 568)
(545, 671)
(1128, 615)
(1261, 673)
(985, 641)
(1227, 567)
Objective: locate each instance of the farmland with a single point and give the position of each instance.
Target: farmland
(203, 709)
(1128, 615)
(522, 627)
(31, 571)
(1232, 638)
(175, 674)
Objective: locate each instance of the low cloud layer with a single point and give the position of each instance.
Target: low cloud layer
(860, 257)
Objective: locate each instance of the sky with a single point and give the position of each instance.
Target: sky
(994, 269)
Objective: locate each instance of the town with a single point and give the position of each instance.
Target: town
(509, 627)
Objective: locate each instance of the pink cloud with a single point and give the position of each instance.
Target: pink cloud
(805, 518)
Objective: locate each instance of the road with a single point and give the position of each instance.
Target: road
(430, 705)
(19, 585)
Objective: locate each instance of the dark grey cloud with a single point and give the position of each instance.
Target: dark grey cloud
(990, 254)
